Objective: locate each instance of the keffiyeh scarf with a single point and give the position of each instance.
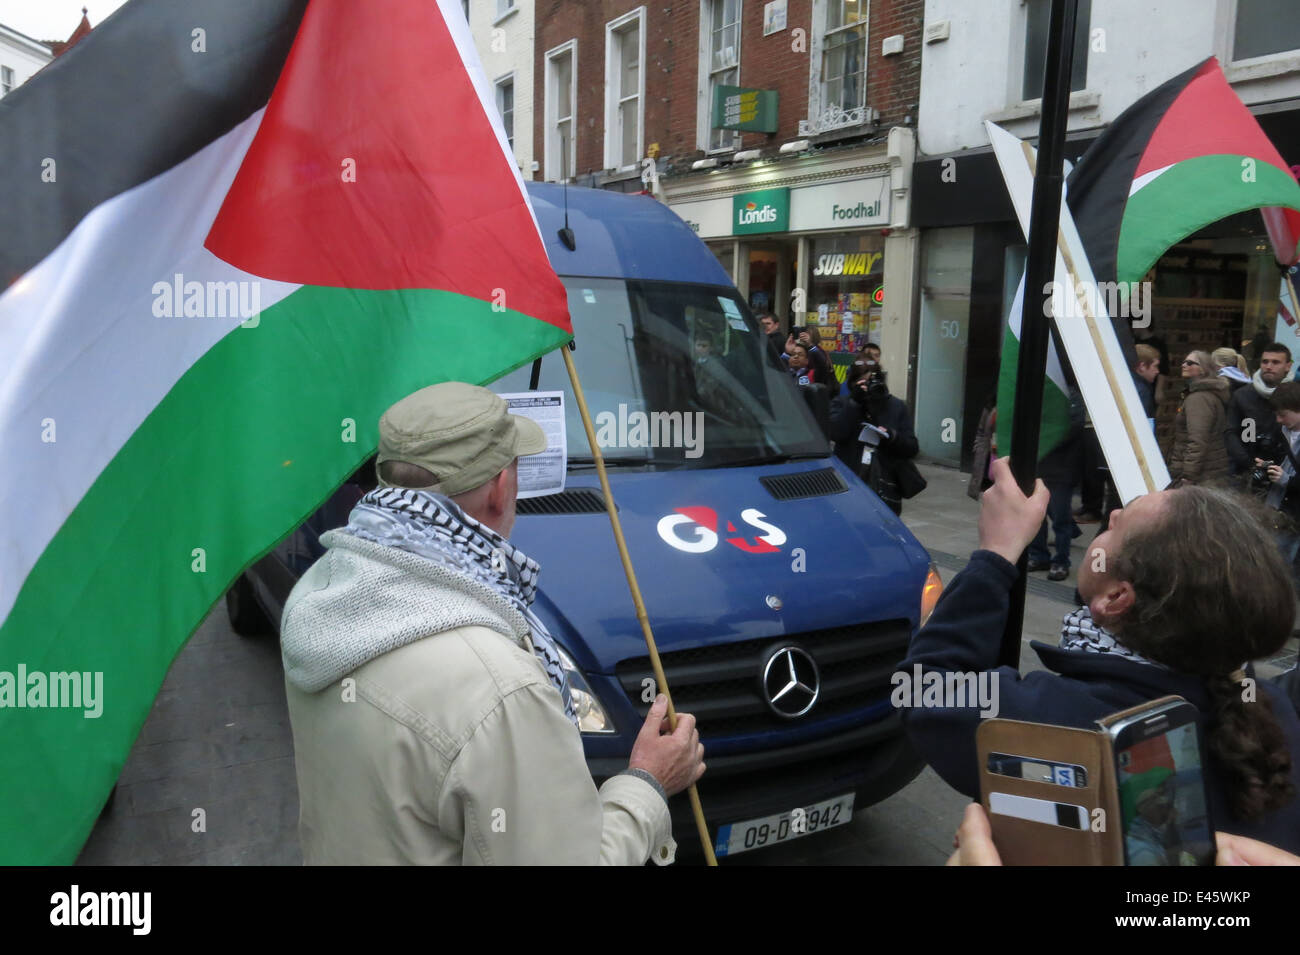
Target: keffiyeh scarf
(1081, 632)
(433, 527)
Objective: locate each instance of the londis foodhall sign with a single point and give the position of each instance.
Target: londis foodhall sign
(767, 210)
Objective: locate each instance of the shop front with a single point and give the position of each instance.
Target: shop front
(812, 252)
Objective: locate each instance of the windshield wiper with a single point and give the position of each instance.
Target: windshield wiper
(761, 459)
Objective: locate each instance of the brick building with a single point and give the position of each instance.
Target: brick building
(781, 131)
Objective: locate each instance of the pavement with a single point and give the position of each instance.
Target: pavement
(210, 780)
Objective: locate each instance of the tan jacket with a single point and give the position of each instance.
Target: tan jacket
(448, 748)
(1200, 454)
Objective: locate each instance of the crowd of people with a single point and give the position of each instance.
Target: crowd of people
(870, 427)
(1231, 431)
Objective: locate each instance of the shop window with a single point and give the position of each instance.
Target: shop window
(1265, 27)
(1037, 14)
(561, 93)
(624, 89)
(506, 107)
(723, 24)
(846, 290)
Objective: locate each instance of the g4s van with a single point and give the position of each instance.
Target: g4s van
(782, 592)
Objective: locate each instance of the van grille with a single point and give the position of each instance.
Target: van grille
(578, 501)
(790, 487)
(720, 684)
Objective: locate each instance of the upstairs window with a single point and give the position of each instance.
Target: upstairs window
(1038, 12)
(724, 62)
(506, 107)
(1265, 27)
(561, 92)
(624, 80)
(844, 55)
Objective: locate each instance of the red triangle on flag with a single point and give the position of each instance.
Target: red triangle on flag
(376, 166)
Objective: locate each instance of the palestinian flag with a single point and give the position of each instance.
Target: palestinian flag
(237, 230)
(1185, 155)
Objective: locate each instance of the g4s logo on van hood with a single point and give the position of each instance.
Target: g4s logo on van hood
(694, 530)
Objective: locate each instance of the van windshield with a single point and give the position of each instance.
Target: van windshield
(674, 376)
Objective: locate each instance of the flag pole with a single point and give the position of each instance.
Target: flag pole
(1040, 271)
(660, 680)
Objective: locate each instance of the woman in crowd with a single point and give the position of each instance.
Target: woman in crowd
(1232, 366)
(1199, 455)
(1176, 606)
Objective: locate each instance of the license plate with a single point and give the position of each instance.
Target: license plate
(772, 830)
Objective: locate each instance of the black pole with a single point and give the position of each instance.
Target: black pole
(1044, 222)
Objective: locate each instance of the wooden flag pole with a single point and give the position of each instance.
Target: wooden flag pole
(660, 680)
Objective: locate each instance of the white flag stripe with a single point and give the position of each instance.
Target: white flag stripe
(458, 27)
(1136, 465)
(81, 338)
(1147, 177)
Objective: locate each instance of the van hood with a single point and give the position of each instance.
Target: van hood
(719, 558)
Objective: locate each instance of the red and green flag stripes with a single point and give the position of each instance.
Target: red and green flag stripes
(202, 356)
(1185, 155)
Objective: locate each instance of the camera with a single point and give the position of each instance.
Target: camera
(1264, 451)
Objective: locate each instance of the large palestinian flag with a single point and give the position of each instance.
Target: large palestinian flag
(1185, 155)
(209, 299)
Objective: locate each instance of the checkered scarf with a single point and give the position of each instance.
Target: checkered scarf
(433, 527)
(1081, 632)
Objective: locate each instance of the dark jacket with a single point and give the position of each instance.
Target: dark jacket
(1200, 455)
(1147, 393)
(848, 414)
(963, 635)
(1063, 464)
(1248, 404)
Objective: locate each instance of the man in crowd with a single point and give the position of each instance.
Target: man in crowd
(1252, 430)
(1145, 372)
(433, 717)
(772, 329)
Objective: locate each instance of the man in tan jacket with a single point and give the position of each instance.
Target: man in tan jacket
(433, 719)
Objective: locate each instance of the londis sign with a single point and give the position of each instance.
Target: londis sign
(767, 210)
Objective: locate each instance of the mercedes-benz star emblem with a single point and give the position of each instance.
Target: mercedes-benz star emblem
(791, 682)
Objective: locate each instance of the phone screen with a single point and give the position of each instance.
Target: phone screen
(1162, 800)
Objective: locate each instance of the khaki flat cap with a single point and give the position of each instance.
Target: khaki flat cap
(463, 434)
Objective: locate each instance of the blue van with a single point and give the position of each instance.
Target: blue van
(782, 592)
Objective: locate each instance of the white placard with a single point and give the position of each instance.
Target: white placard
(544, 473)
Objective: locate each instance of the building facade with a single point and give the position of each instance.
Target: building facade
(1220, 287)
(20, 57)
(503, 32)
(782, 132)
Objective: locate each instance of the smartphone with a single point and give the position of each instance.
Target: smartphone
(1160, 775)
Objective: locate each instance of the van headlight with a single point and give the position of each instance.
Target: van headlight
(592, 717)
(930, 593)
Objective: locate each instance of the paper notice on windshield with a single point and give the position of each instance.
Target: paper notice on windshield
(541, 474)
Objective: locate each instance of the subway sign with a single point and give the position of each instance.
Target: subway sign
(749, 110)
(766, 210)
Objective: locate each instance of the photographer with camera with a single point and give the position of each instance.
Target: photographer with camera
(1278, 471)
(1252, 431)
(873, 435)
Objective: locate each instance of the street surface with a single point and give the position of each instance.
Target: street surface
(219, 740)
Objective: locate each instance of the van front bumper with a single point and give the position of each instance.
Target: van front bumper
(872, 761)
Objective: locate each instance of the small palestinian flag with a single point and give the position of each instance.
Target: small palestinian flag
(1185, 155)
(208, 300)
